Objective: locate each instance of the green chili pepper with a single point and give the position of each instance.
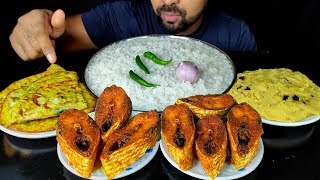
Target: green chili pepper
(141, 65)
(141, 81)
(155, 59)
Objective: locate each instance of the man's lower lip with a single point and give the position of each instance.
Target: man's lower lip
(169, 18)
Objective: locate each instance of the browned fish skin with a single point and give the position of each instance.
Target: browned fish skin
(130, 142)
(79, 139)
(113, 109)
(211, 144)
(202, 105)
(178, 133)
(244, 129)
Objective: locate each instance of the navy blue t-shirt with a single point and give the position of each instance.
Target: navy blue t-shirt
(111, 22)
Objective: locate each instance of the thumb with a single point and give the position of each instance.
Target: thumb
(58, 23)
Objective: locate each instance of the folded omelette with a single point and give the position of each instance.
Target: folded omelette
(33, 104)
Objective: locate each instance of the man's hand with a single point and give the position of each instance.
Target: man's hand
(35, 33)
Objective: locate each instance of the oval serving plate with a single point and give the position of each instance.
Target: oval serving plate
(227, 172)
(111, 65)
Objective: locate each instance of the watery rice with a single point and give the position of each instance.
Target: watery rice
(111, 65)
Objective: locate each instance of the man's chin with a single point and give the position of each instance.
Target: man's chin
(172, 28)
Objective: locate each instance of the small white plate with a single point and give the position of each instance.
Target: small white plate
(228, 170)
(100, 174)
(302, 122)
(39, 135)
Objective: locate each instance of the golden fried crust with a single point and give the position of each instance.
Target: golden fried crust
(211, 144)
(244, 129)
(79, 138)
(113, 109)
(178, 133)
(129, 143)
(202, 105)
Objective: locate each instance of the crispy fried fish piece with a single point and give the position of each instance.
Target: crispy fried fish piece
(244, 129)
(211, 144)
(79, 139)
(178, 133)
(113, 109)
(202, 105)
(129, 143)
(49, 124)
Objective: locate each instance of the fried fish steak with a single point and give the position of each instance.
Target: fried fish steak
(202, 105)
(178, 133)
(128, 144)
(49, 124)
(79, 139)
(113, 109)
(45, 98)
(244, 129)
(211, 144)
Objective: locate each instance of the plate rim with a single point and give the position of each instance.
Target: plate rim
(66, 164)
(258, 158)
(26, 135)
(305, 121)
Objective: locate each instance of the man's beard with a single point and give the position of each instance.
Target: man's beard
(182, 25)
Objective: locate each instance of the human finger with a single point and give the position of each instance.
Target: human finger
(31, 33)
(58, 23)
(25, 51)
(19, 51)
(47, 47)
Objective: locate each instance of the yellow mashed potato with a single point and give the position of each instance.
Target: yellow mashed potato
(278, 94)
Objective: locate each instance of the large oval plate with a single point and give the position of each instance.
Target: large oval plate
(111, 66)
(228, 171)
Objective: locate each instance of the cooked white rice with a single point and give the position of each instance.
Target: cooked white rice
(111, 65)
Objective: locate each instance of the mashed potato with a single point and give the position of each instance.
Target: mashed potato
(278, 94)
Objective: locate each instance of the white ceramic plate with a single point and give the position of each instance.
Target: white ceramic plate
(217, 71)
(228, 171)
(99, 173)
(26, 135)
(302, 122)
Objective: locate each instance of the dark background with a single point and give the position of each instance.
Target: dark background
(288, 31)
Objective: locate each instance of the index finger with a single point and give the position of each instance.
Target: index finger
(47, 48)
